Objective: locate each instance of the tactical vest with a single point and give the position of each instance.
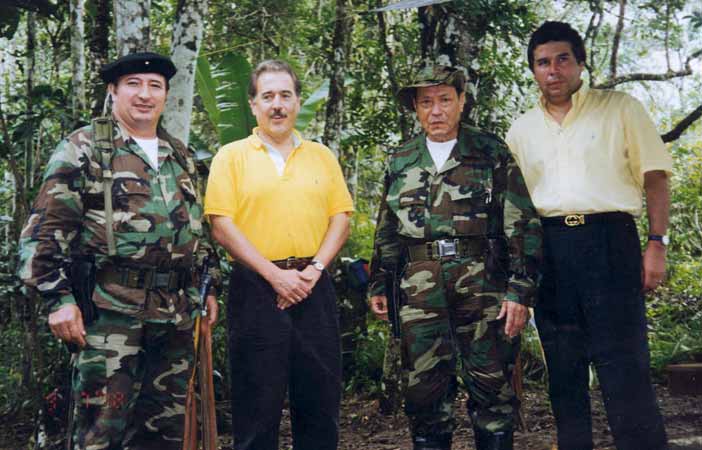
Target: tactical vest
(102, 148)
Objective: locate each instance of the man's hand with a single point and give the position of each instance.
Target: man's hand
(310, 276)
(653, 265)
(67, 325)
(516, 317)
(290, 285)
(379, 306)
(210, 319)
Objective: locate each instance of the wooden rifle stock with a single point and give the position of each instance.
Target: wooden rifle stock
(209, 416)
(204, 371)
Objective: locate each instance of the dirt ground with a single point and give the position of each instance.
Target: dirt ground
(363, 427)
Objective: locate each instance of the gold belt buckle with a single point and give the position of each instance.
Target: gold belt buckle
(574, 220)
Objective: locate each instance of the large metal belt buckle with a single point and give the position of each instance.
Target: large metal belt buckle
(446, 247)
(574, 220)
(290, 262)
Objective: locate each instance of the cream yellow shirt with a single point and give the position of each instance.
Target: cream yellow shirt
(595, 160)
(282, 215)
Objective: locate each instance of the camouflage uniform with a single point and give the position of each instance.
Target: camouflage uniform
(130, 380)
(450, 304)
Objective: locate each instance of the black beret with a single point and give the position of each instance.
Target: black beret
(144, 62)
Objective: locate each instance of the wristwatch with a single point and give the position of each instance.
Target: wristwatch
(317, 265)
(662, 238)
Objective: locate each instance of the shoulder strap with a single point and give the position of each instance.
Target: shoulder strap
(103, 149)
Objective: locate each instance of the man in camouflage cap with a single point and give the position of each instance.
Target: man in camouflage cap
(457, 224)
(139, 247)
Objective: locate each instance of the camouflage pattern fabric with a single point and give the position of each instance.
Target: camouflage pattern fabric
(157, 224)
(449, 316)
(130, 383)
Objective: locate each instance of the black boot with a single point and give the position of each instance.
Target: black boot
(500, 440)
(440, 442)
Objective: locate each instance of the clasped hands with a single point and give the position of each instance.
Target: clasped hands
(294, 286)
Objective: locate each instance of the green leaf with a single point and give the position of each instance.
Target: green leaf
(207, 89)
(309, 109)
(223, 93)
(235, 119)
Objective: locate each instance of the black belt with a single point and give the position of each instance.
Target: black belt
(577, 220)
(171, 280)
(293, 263)
(447, 249)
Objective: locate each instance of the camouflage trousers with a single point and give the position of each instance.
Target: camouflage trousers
(449, 335)
(129, 385)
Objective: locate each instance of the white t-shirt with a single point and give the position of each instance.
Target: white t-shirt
(150, 147)
(440, 151)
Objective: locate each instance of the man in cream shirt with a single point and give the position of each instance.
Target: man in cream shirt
(588, 156)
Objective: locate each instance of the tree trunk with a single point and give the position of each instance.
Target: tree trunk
(78, 56)
(187, 37)
(405, 127)
(98, 47)
(339, 60)
(447, 38)
(132, 26)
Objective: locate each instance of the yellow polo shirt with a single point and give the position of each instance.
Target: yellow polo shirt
(282, 215)
(595, 160)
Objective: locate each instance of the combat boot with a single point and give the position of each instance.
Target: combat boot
(438, 442)
(500, 440)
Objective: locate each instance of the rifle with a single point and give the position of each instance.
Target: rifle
(393, 293)
(203, 369)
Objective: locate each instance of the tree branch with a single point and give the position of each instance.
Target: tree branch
(643, 77)
(683, 125)
(615, 41)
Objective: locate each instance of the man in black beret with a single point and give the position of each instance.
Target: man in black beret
(112, 245)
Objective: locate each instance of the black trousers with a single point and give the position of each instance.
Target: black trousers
(271, 351)
(591, 310)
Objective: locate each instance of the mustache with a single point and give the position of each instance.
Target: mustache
(278, 115)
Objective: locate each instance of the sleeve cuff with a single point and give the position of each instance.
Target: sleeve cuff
(56, 302)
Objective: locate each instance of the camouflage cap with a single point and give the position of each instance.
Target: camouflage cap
(432, 75)
(143, 62)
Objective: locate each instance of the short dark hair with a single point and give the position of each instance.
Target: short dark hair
(555, 32)
(273, 65)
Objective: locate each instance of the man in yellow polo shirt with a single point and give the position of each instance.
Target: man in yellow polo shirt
(280, 207)
(588, 156)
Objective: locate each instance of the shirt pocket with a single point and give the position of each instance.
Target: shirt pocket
(130, 201)
(470, 192)
(411, 212)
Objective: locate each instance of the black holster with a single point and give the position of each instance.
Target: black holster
(497, 259)
(82, 277)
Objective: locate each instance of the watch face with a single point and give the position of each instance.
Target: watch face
(318, 265)
(665, 239)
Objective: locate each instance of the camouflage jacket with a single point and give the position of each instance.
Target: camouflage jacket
(157, 224)
(479, 191)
